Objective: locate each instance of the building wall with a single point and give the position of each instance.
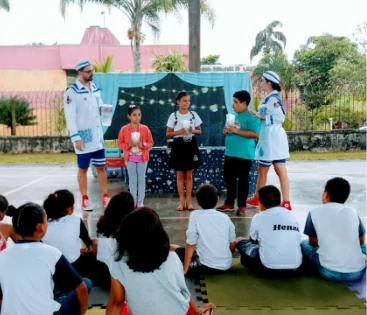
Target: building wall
(64, 57)
(32, 80)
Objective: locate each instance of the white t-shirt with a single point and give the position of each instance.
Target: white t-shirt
(337, 228)
(161, 292)
(106, 249)
(212, 232)
(26, 278)
(64, 234)
(194, 121)
(277, 231)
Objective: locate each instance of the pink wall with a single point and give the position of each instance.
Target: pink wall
(65, 56)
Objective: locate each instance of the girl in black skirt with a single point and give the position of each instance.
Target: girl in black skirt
(183, 125)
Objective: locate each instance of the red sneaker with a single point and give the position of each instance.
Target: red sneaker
(225, 208)
(86, 205)
(105, 201)
(287, 205)
(253, 201)
(241, 211)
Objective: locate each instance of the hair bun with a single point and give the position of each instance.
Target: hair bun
(11, 211)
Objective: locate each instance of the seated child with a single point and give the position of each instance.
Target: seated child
(119, 206)
(274, 247)
(65, 231)
(146, 273)
(6, 230)
(210, 233)
(30, 269)
(335, 248)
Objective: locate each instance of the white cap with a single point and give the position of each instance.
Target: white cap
(271, 76)
(82, 64)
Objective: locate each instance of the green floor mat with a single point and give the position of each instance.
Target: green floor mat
(240, 288)
(288, 311)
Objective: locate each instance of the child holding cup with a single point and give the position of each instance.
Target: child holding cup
(183, 126)
(135, 140)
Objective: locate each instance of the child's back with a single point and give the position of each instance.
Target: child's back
(64, 234)
(212, 232)
(277, 232)
(337, 228)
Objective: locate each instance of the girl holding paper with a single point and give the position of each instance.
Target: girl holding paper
(135, 140)
(183, 125)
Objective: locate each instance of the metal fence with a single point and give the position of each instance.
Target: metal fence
(344, 111)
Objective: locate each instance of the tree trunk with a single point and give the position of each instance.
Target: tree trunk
(136, 50)
(13, 119)
(194, 35)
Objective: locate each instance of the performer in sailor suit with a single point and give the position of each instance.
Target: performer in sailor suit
(82, 107)
(272, 147)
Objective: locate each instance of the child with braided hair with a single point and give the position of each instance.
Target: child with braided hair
(183, 126)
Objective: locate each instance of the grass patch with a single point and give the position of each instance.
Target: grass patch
(71, 158)
(328, 156)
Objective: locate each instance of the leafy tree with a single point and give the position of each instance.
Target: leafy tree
(4, 5)
(269, 41)
(280, 65)
(173, 62)
(105, 66)
(16, 111)
(139, 11)
(210, 60)
(349, 76)
(313, 66)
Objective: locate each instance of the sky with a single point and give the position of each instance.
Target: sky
(232, 37)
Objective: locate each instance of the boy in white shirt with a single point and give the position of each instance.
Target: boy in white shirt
(335, 247)
(274, 245)
(210, 235)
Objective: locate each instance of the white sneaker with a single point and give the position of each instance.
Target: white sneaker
(86, 205)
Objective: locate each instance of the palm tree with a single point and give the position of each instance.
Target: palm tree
(104, 66)
(139, 11)
(269, 40)
(4, 5)
(173, 62)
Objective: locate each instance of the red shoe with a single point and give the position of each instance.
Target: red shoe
(86, 205)
(105, 201)
(287, 205)
(253, 201)
(225, 208)
(241, 211)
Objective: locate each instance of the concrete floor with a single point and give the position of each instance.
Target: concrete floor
(22, 183)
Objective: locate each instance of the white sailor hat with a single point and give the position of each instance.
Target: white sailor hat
(271, 76)
(82, 64)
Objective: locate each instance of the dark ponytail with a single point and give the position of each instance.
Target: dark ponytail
(275, 86)
(26, 218)
(56, 204)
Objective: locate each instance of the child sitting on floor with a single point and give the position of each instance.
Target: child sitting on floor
(274, 247)
(146, 273)
(119, 206)
(210, 233)
(65, 231)
(30, 268)
(6, 230)
(336, 247)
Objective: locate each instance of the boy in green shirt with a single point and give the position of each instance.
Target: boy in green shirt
(240, 151)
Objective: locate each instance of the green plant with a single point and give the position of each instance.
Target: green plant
(59, 119)
(16, 111)
(104, 66)
(4, 5)
(173, 62)
(210, 60)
